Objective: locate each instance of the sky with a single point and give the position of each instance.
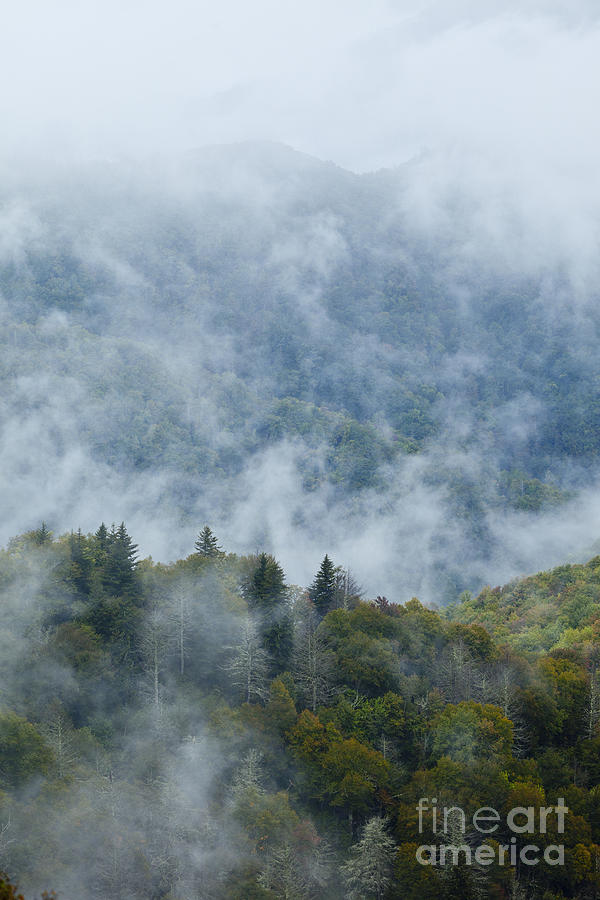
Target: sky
(363, 84)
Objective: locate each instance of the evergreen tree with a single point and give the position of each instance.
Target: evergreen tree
(81, 563)
(323, 589)
(121, 562)
(42, 535)
(207, 544)
(266, 593)
(100, 544)
(265, 588)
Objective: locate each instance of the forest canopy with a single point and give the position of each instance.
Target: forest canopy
(205, 728)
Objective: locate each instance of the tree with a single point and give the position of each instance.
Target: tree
(367, 872)
(81, 563)
(352, 777)
(42, 535)
(347, 590)
(121, 562)
(23, 751)
(265, 587)
(313, 663)
(266, 593)
(284, 875)
(153, 646)
(248, 776)
(249, 666)
(179, 616)
(458, 675)
(58, 734)
(207, 545)
(592, 709)
(280, 710)
(101, 542)
(471, 732)
(323, 589)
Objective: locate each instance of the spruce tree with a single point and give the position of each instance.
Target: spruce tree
(121, 562)
(81, 563)
(323, 589)
(266, 593)
(207, 544)
(42, 535)
(265, 588)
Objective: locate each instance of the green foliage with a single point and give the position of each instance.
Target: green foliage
(322, 590)
(84, 668)
(23, 751)
(472, 733)
(207, 544)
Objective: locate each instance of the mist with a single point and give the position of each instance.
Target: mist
(475, 135)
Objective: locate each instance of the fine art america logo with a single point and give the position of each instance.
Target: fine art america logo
(521, 820)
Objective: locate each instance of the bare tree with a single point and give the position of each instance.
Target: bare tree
(592, 710)
(368, 871)
(458, 673)
(313, 663)
(347, 590)
(58, 734)
(249, 666)
(154, 645)
(283, 875)
(180, 619)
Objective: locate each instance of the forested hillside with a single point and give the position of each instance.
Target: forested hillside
(204, 729)
(248, 322)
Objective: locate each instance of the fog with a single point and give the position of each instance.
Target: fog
(483, 119)
(364, 86)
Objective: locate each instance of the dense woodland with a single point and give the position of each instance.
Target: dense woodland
(204, 729)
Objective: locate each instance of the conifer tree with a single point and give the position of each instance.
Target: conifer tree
(207, 544)
(121, 562)
(265, 588)
(266, 593)
(81, 563)
(323, 589)
(100, 546)
(42, 535)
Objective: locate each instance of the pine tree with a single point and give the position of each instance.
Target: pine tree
(323, 589)
(207, 544)
(367, 872)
